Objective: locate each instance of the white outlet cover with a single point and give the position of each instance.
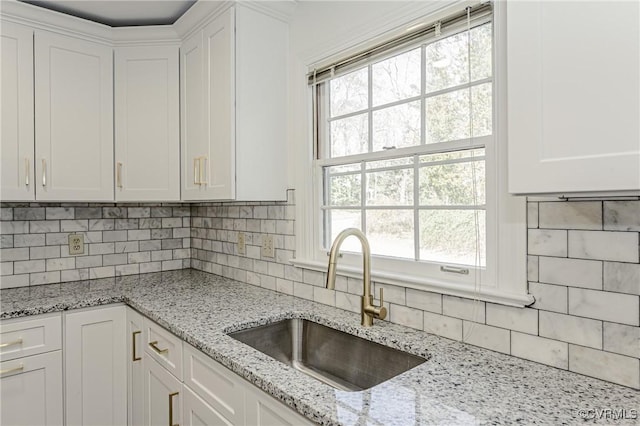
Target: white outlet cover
(76, 243)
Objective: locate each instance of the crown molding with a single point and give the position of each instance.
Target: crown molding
(197, 15)
(151, 35)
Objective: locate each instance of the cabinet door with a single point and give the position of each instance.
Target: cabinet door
(31, 390)
(74, 119)
(147, 138)
(135, 372)
(192, 116)
(219, 160)
(199, 413)
(573, 96)
(263, 410)
(95, 367)
(162, 395)
(17, 113)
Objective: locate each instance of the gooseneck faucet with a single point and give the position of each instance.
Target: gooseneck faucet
(369, 311)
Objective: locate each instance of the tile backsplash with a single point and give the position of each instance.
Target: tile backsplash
(583, 269)
(120, 239)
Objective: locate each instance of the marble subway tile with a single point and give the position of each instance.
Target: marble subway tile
(603, 305)
(391, 293)
(11, 281)
(60, 263)
(6, 213)
(29, 266)
(138, 234)
(468, 309)
(408, 317)
(547, 242)
(533, 268)
(74, 225)
(284, 286)
(622, 277)
(44, 252)
(16, 227)
(102, 272)
(28, 240)
(604, 245)
(570, 272)
(567, 328)
(532, 215)
(425, 300)
(442, 325)
(88, 261)
(518, 319)
(132, 269)
(29, 213)
(44, 278)
(605, 365)
(571, 215)
(325, 296)
(101, 248)
(622, 215)
(88, 213)
(302, 290)
(52, 213)
(348, 302)
(550, 297)
(622, 339)
(539, 349)
(112, 236)
(485, 336)
(12, 254)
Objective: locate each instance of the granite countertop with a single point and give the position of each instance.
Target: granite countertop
(459, 384)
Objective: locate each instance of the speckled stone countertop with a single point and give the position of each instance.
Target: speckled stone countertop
(459, 384)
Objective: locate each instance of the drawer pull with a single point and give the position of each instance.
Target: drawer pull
(134, 350)
(12, 370)
(171, 395)
(154, 346)
(15, 342)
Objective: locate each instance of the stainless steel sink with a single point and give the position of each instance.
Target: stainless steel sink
(336, 358)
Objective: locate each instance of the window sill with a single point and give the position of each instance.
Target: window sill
(487, 294)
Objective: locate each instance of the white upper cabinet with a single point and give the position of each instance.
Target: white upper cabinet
(234, 88)
(74, 118)
(147, 136)
(573, 96)
(17, 179)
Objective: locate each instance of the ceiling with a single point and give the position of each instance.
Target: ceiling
(119, 13)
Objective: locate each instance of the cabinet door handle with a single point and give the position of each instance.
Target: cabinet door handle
(134, 350)
(18, 341)
(203, 165)
(26, 171)
(154, 346)
(196, 171)
(44, 172)
(119, 175)
(12, 370)
(171, 395)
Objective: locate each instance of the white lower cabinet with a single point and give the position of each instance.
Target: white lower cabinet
(198, 413)
(162, 395)
(31, 390)
(95, 367)
(135, 371)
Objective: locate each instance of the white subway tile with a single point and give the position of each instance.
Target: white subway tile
(88, 261)
(532, 215)
(267, 281)
(29, 266)
(605, 365)
(314, 278)
(132, 269)
(391, 293)
(111, 236)
(39, 226)
(571, 215)
(44, 278)
(622, 277)
(532, 268)
(45, 252)
(550, 297)
(485, 336)
(150, 267)
(53, 213)
(408, 317)
(13, 254)
(138, 234)
(442, 325)
(102, 272)
(6, 213)
(170, 265)
(15, 227)
(284, 286)
(61, 263)
(622, 339)
(302, 290)
(322, 295)
(348, 302)
(567, 328)
(28, 213)
(622, 215)
(539, 349)
(6, 268)
(29, 240)
(101, 248)
(547, 242)
(571, 272)
(74, 225)
(604, 245)
(518, 319)
(11, 281)
(74, 275)
(613, 307)
(425, 300)
(469, 309)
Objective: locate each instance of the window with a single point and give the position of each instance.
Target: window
(405, 149)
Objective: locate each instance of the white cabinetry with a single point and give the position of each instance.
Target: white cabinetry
(31, 371)
(95, 366)
(17, 181)
(573, 96)
(147, 136)
(74, 118)
(234, 86)
(162, 395)
(135, 371)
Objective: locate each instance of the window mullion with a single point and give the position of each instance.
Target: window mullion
(416, 212)
(363, 194)
(423, 101)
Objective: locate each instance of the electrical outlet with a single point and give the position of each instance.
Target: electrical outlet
(267, 246)
(76, 243)
(242, 248)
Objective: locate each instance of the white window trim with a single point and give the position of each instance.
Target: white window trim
(510, 284)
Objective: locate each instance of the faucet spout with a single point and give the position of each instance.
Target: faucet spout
(369, 310)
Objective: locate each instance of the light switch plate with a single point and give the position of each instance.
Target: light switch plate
(76, 243)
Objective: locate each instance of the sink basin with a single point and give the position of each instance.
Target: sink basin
(341, 360)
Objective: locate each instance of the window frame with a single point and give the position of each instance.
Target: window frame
(508, 257)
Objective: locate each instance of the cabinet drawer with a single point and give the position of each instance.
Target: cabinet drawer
(26, 337)
(163, 346)
(219, 387)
